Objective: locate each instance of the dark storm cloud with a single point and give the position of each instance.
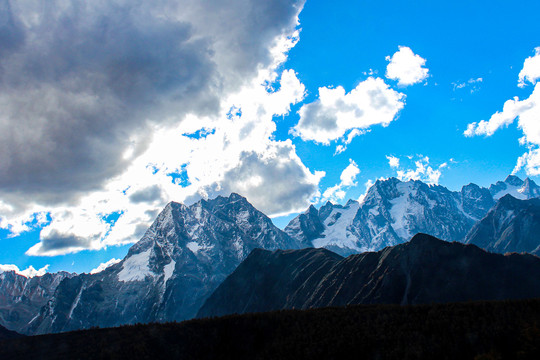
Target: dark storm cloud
(80, 81)
(55, 241)
(148, 194)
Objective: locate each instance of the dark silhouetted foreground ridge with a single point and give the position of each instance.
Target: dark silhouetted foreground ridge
(425, 270)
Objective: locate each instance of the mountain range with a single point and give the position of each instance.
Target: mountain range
(190, 250)
(392, 211)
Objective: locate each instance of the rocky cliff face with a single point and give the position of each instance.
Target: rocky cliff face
(424, 270)
(168, 274)
(21, 297)
(510, 226)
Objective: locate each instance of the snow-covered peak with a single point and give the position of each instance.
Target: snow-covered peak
(336, 227)
(513, 185)
(391, 212)
(530, 188)
(203, 230)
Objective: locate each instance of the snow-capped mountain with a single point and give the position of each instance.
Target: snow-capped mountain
(21, 297)
(391, 213)
(512, 225)
(520, 189)
(168, 274)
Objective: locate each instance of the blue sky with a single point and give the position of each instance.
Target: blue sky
(116, 129)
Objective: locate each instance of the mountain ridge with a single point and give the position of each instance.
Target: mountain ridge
(422, 271)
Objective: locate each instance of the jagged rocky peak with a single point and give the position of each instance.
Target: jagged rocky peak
(513, 180)
(531, 188)
(166, 276)
(307, 226)
(382, 189)
(476, 200)
(513, 185)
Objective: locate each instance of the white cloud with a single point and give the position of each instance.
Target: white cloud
(348, 139)
(28, 272)
(473, 84)
(336, 112)
(105, 265)
(422, 171)
(527, 111)
(347, 177)
(393, 161)
(531, 69)
(406, 67)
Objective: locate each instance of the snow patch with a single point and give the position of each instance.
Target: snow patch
(76, 302)
(515, 191)
(400, 210)
(135, 268)
(337, 228)
(168, 270)
(194, 247)
(243, 217)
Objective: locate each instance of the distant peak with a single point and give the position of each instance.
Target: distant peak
(350, 202)
(513, 180)
(172, 205)
(234, 196)
(471, 185)
(529, 183)
(391, 180)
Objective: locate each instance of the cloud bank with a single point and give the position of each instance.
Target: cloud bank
(82, 82)
(105, 265)
(114, 108)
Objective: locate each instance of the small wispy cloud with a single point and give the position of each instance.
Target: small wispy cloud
(472, 84)
(347, 179)
(105, 265)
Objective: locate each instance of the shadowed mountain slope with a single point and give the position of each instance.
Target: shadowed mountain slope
(424, 270)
